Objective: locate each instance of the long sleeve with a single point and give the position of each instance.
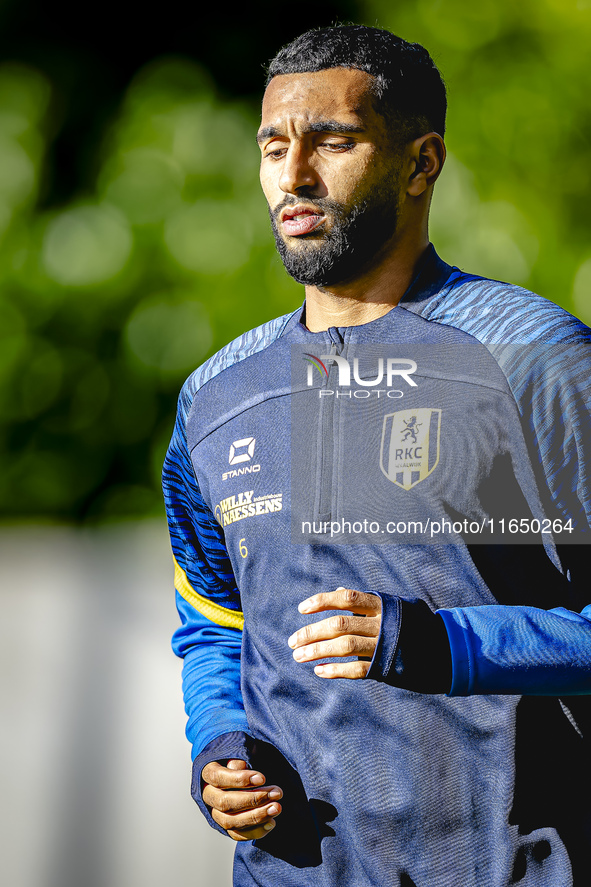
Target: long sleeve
(521, 650)
(208, 600)
(464, 651)
(545, 355)
(526, 649)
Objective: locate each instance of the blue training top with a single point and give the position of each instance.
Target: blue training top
(451, 480)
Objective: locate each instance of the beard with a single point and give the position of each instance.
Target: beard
(357, 234)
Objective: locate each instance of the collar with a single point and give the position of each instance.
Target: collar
(430, 276)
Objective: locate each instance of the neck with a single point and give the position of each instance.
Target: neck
(369, 296)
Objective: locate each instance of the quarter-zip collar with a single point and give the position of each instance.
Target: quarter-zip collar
(431, 275)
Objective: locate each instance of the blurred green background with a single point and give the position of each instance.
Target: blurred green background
(134, 241)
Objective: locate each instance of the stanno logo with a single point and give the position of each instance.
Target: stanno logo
(410, 445)
(388, 371)
(241, 451)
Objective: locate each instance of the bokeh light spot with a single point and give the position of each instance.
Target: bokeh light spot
(489, 238)
(86, 245)
(209, 237)
(459, 24)
(148, 187)
(207, 140)
(169, 333)
(17, 173)
(24, 92)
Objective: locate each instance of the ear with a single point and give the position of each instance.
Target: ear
(428, 156)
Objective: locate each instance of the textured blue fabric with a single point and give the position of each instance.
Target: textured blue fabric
(211, 676)
(211, 652)
(549, 377)
(385, 653)
(390, 786)
(498, 649)
(413, 650)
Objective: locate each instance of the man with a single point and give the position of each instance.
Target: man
(438, 508)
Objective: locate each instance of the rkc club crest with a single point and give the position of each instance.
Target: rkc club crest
(410, 445)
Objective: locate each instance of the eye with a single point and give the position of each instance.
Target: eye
(274, 153)
(338, 147)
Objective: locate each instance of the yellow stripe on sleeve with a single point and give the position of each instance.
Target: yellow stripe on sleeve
(214, 612)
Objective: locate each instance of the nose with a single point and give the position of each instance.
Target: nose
(297, 171)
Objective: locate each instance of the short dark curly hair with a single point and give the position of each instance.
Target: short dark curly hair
(408, 89)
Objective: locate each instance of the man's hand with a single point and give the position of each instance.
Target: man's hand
(237, 803)
(349, 634)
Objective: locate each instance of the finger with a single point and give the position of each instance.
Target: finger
(334, 627)
(352, 670)
(256, 818)
(360, 602)
(222, 776)
(350, 645)
(239, 801)
(252, 834)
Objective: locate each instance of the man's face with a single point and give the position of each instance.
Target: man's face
(330, 172)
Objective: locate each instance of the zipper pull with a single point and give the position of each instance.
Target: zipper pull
(337, 338)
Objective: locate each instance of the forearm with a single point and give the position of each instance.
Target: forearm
(211, 677)
(483, 649)
(519, 650)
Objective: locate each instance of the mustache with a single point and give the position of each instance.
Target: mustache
(320, 203)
